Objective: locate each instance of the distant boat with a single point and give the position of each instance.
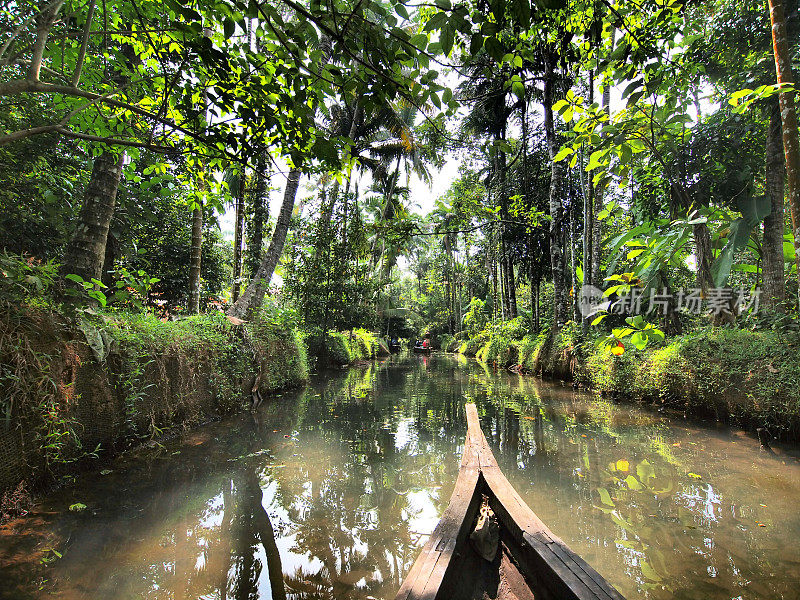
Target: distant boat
(489, 544)
(421, 350)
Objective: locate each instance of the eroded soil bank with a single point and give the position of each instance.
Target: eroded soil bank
(76, 391)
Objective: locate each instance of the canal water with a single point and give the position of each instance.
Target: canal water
(329, 492)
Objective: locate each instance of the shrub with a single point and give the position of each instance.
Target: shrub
(445, 342)
(337, 348)
(361, 344)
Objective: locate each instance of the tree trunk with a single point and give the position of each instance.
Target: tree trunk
(573, 277)
(448, 282)
(108, 260)
(702, 243)
(508, 265)
(774, 294)
(253, 296)
(597, 225)
(237, 239)
(259, 216)
(791, 136)
(86, 250)
(195, 259)
(557, 264)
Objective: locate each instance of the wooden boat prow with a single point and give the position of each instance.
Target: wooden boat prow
(531, 562)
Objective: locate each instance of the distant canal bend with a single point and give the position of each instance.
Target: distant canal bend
(330, 492)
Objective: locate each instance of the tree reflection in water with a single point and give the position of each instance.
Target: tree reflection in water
(329, 492)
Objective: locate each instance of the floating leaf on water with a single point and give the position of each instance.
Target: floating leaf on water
(626, 525)
(633, 483)
(106, 472)
(695, 475)
(77, 507)
(645, 470)
(630, 544)
(623, 465)
(605, 497)
(648, 571)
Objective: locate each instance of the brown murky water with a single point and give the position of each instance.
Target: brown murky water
(329, 493)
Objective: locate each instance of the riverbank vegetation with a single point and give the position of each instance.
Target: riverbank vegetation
(191, 178)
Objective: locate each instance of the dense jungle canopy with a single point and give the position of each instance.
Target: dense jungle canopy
(646, 149)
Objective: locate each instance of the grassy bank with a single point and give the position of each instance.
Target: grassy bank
(75, 389)
(345, 348)
(747, 378)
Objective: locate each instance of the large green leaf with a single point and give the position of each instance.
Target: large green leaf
(754, 209)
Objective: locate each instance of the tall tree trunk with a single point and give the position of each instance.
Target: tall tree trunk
(510, 280)
(597, 224)
(108, 260)
(791, 136)
(86, 250)
(259, 212)
(448, 285)
(702, 243)
(492, 264)
(573, 276)
(195, 258)
(588, 219)
(772, 248)
(557, 258)
(237, 239)
(253, 295)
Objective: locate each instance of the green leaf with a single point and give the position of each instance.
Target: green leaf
(633, 483)
(563, 153)
(605, 497)
(560, 106)
(420, 40)
(639, 340)
(736, 96)
(648, 571)
(738, 237)
(228, 28)
(476, 43)
(77, 507)
(494, 48)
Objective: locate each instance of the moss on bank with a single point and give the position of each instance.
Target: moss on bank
(73, 389)
(748, 378)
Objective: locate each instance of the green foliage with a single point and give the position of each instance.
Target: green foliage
(337, 348)
(26, 279)
(365, 344)
(475, 318)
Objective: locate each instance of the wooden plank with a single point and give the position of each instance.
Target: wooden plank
(544, 557)
(587, 582)
(425, 576)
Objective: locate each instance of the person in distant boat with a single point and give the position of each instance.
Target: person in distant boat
(426, 344)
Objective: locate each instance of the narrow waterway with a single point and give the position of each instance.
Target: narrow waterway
(331, 491)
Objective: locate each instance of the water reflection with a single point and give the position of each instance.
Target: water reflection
(330, 492)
